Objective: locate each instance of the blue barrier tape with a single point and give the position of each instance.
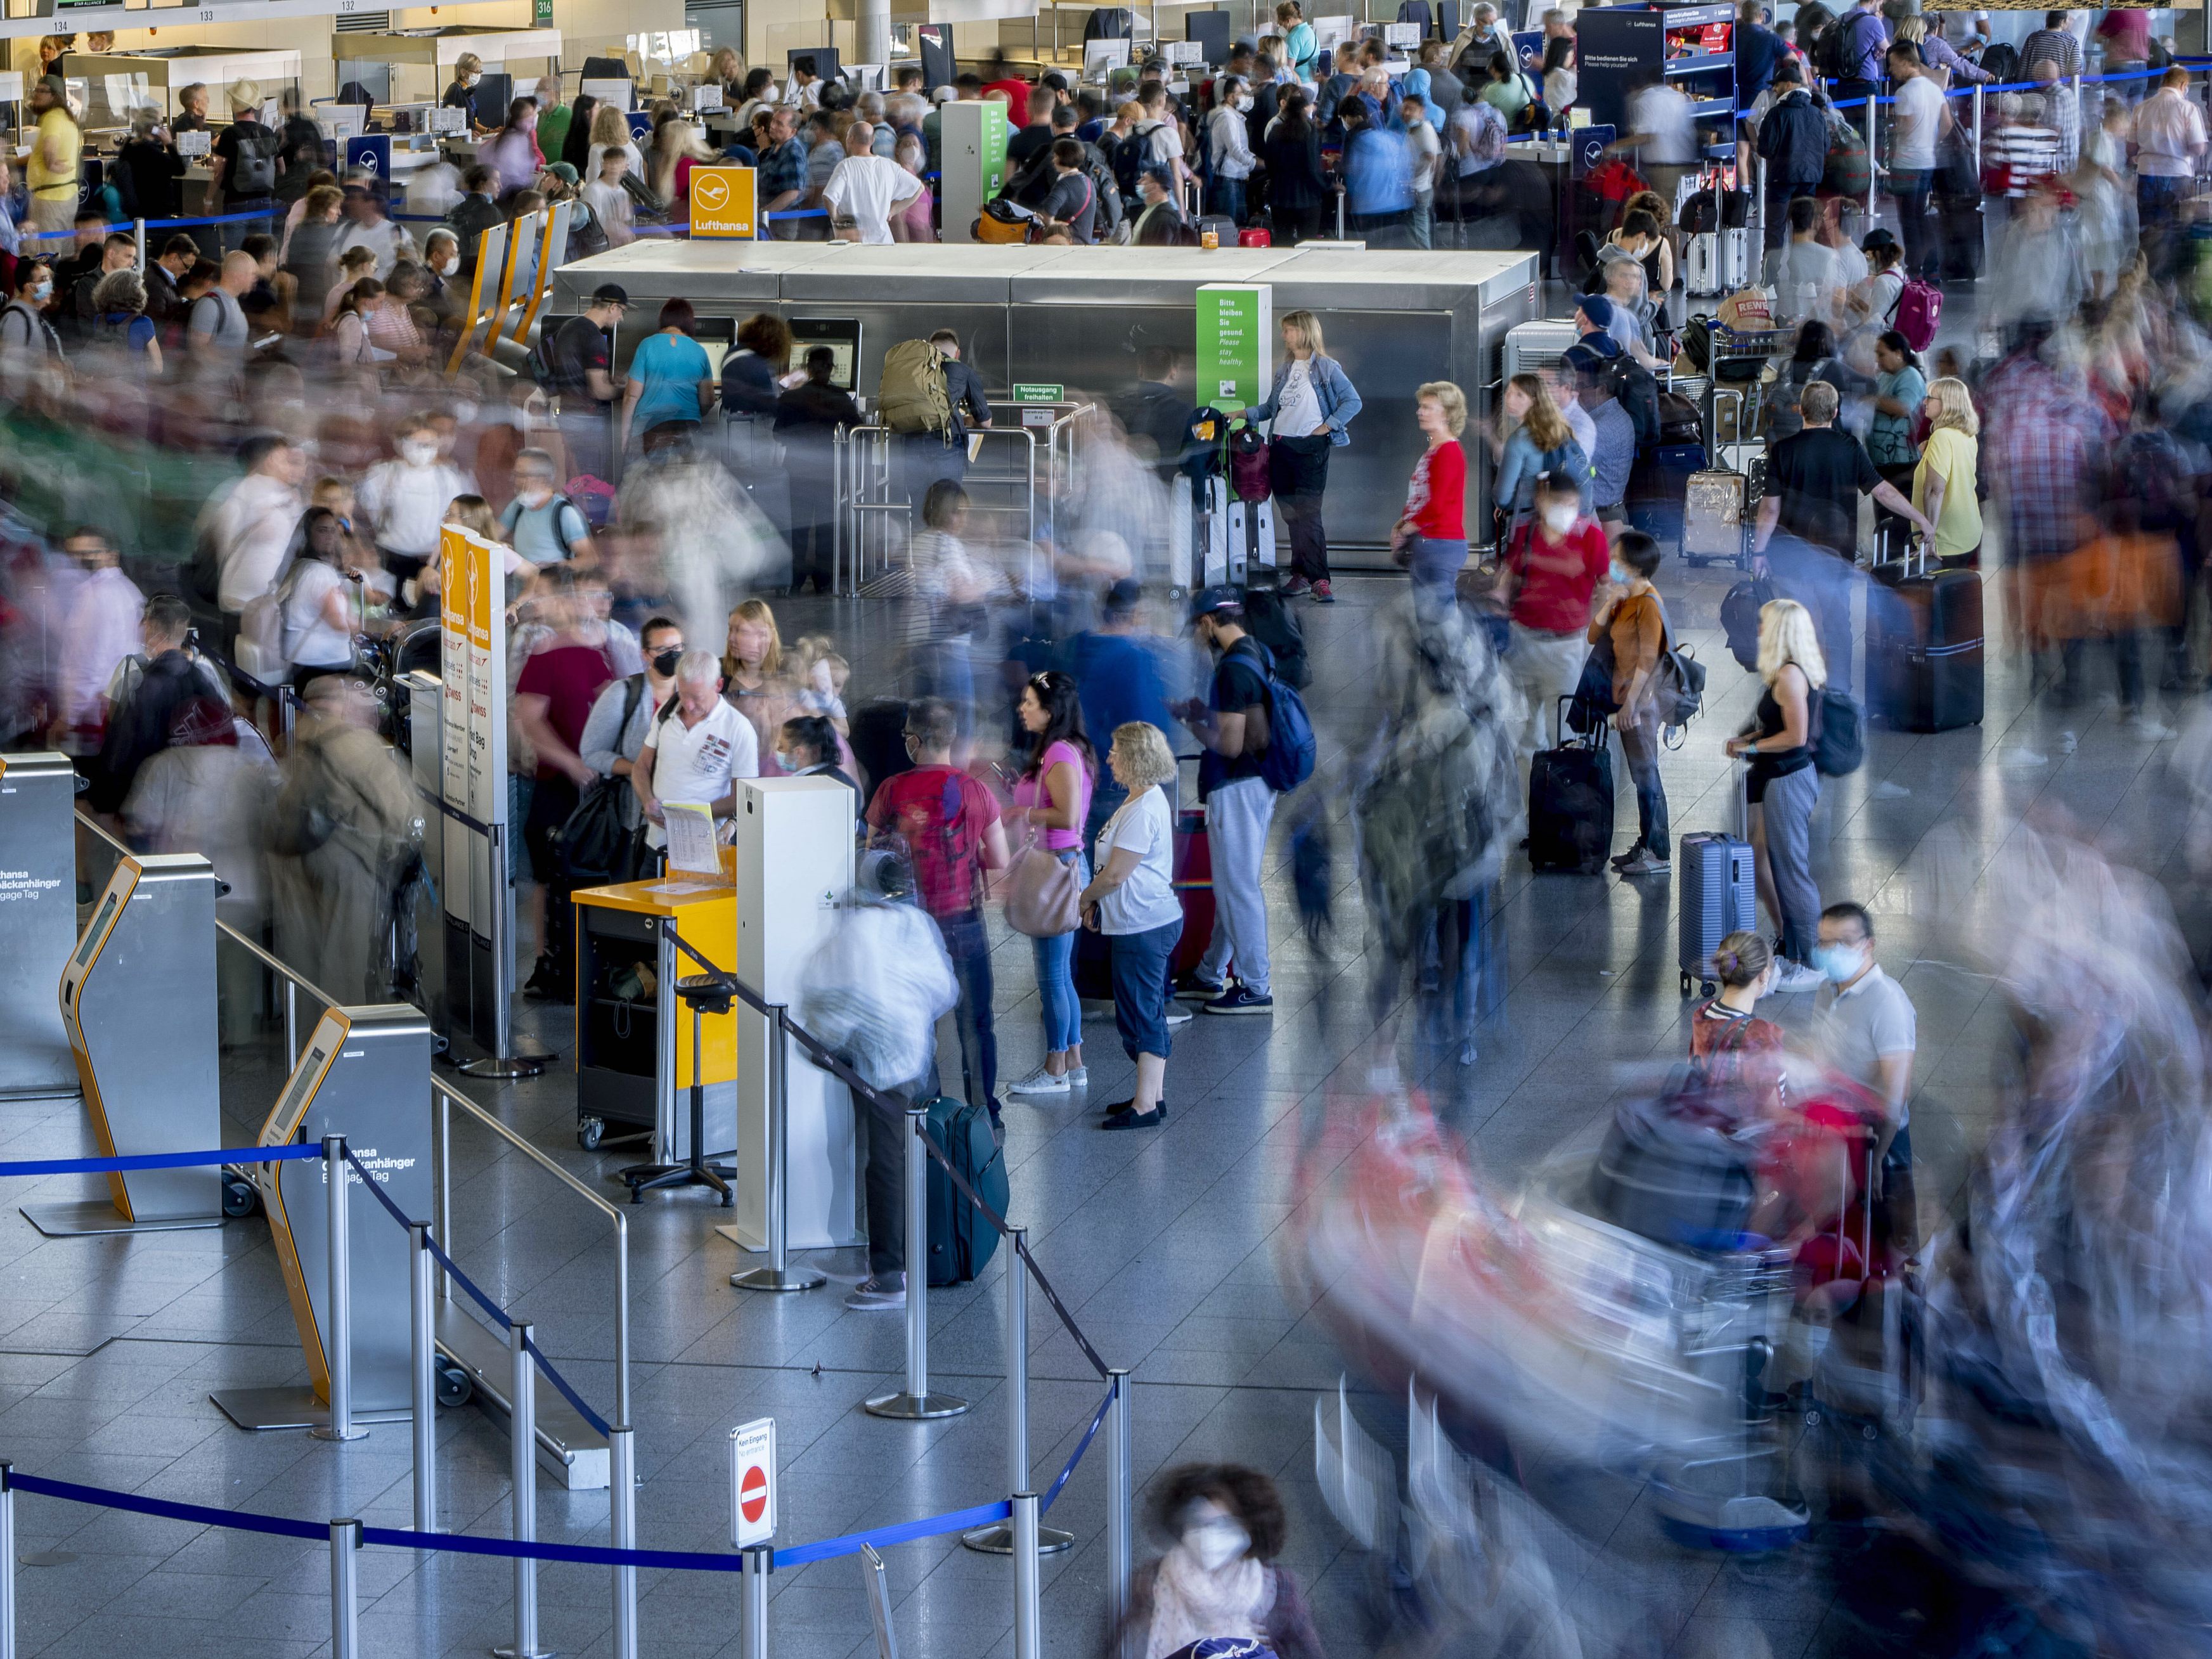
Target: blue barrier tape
(905, 1533)
(44, 1166)
(552, 1372)
(1097, 1421)
(235, 1520)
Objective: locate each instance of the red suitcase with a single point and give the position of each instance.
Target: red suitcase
(1255, 239)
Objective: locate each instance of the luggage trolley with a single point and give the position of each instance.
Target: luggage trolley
(1721, 500)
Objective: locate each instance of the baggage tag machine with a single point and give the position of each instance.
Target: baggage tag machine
(365, 1074)
(138, 1005)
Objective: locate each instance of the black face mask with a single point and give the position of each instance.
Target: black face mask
(664, 663)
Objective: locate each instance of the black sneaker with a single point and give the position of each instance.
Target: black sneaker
(1194, 988)
(1238, 999)
(1130, 1118)
(1621, 859)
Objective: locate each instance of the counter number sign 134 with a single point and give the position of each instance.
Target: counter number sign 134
(752, 1483)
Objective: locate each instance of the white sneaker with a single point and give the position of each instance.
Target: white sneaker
(878, 1295)
(1795, 978)
(1079, 1077)
(1040, 1082)
(2144, 728)
(1178, 1014)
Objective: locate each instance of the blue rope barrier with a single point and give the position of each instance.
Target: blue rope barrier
(552, 1372)
(1097, 1421)
(233, 1520)
(905, 1533)
(44, 1166)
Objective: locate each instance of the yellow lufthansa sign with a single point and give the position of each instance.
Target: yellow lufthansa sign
(722, 202)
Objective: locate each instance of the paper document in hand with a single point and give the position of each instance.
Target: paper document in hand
(690, 826)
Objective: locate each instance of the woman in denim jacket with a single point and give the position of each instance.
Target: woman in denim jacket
(1311, 405)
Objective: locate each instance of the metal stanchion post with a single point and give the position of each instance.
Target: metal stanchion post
(778, 1275)
(138, 236)
(622, 1517)
(441, 1197)
(503, 1064)
(291, 1023)
(1028, 1630)
(345, 1623)
(522, 1460)
(760, 1561)
(423, 1353)
(340, 1249)
(1980, 107)
(915, 1403)
(997, 1538)
(6, 1559)
(1874, 172)
(1119, 1495)
(879, 1602)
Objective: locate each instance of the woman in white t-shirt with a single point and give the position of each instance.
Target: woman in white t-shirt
(317, 604)
(1131, 901)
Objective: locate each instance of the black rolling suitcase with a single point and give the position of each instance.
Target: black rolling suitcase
(1571, 804)
(1925, 645)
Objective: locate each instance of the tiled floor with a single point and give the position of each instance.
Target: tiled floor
(1163, 1245)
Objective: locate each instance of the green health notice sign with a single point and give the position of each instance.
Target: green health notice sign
(1236, 343)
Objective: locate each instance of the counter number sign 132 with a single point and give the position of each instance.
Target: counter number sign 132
(752, 1483)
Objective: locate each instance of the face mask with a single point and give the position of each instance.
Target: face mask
(664, 662)
(1216, 1542)
(534, 499)
(1621, 574)
(473, 79)
(464, 412)
(1243, 100)
(1558, 519)
(419, 453)
(42, 292)
(447, 267)
(1839, 961)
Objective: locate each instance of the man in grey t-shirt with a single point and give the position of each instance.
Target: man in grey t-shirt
(1867, 1030)
(216, 325)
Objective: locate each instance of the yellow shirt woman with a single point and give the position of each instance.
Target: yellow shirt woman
(1949, 454)
(62, 140)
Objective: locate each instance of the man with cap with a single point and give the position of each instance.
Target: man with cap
(583, 378)
(1232, 724)
(1793, 139)
(244, 162)
(1593, 321)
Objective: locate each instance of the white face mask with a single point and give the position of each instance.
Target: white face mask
(1216, 1542)
(1243, 100)
(417, 452)
(1621, 574)
(535, 497)
(447, 267)
(1559, 519)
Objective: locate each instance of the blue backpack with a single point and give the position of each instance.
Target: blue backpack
(1288, 759)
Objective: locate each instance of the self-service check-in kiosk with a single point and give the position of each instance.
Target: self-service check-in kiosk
(37, 917)
(138, 1004)
(365, 1074)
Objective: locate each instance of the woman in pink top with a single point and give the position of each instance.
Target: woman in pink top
(1052, 802)
(913, 225)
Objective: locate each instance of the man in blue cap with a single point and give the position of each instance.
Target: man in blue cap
(1232, 724)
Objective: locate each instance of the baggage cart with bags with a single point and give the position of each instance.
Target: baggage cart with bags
(1570, 802)
(1925, 645)
(1717, 503)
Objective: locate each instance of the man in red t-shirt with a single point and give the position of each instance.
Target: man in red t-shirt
(1554, 565)
(553, 698)
(949, 823)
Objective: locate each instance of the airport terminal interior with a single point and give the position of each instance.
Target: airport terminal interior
(1174, 833)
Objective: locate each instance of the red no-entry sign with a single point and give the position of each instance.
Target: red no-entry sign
(752, 1483)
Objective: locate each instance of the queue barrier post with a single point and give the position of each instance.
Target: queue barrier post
(1874, 173)
(1028, 1624)
(760, 1561)
(335, 1186)
(6, 1559)
(876, 1578)
(522, 1435)
(345, 1618)
(1119, 1536)
(915, 1403)
(999, 1538)
(778, 1275)
(622, 1524)
(422, 1301)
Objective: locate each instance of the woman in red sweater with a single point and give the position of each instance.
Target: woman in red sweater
(1430, 538)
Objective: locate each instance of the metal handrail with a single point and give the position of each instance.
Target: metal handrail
(440, 1158)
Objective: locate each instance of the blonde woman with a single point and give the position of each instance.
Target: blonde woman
(1532, 438)
(1430, 538)
(1131, 901)
(753, 680)
(610, 130)
(1781, 787)
(1300, 46)
(468, 70)
(1943, 483)
(1311, 406)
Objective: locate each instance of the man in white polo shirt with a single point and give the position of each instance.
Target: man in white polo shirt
(1867, 1030)
(695, 749)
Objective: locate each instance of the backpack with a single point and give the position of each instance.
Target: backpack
(1847, 172)
(1248, 476)
(254, 171)
(1917, 313)
(1739, 611)
(912, 395)
(1270, 620)
(1678, 682)
(1701, 213)
(1636, 390)
(1288, 759)
(261, 639)
(1004, 221)
(2001, 61)
(1839, 744)
(543, 368)
(1106, 224)
(1127, 157)
(1202, 436)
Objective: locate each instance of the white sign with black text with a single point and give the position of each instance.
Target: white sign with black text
(752, 1483)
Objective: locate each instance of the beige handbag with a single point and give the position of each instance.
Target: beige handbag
(1041, 894)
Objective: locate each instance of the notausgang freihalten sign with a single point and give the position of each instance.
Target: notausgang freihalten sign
(722, 202)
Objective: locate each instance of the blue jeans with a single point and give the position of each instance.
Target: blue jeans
(1923, 253)
(1229, 197)
(1436, 566)
(1055, 974)
(969, 944)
